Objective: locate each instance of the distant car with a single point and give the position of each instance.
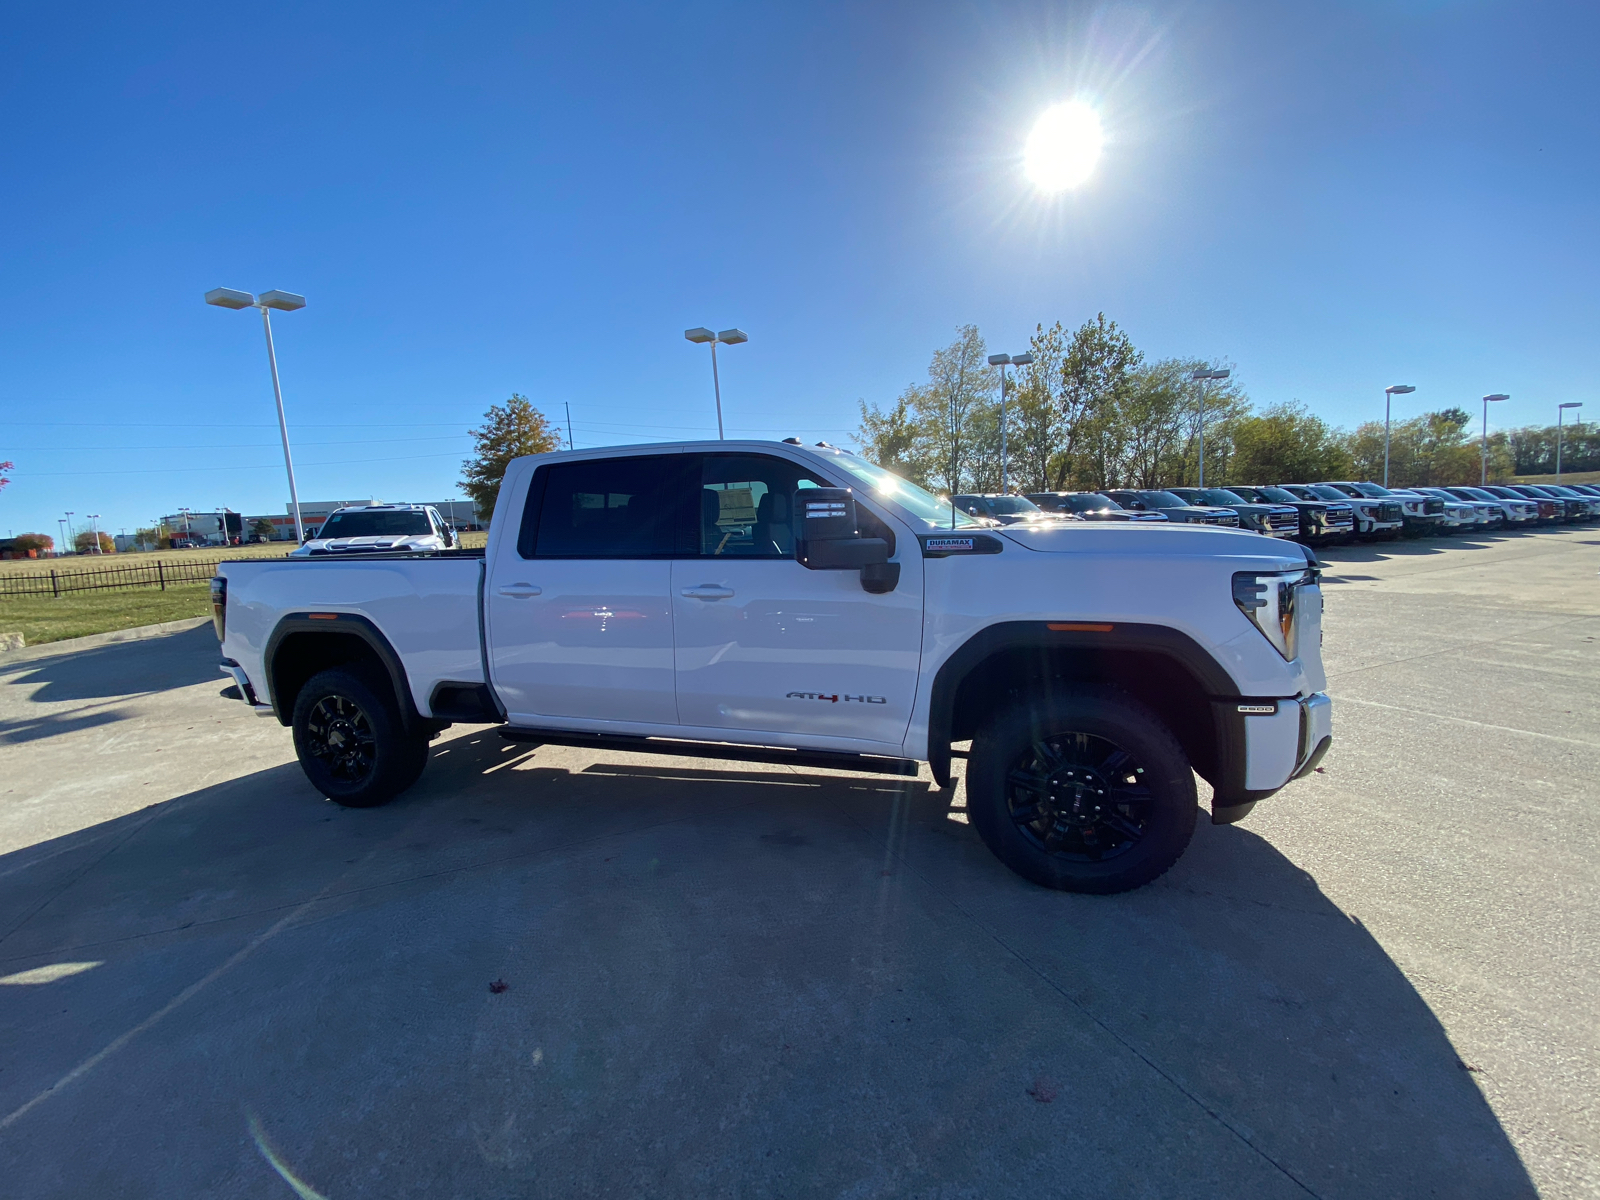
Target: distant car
(1274, 520)
(1585, 489)
(1006, 510)
(1551, 510)
(1574, 507)
(1484, 515)
(378, 529)
(1321, 521)
(1513, 513)
(1174, 508)
(1089, 506)
(1377, 517)
(1419, 514)
(186, 543)
(1317, 493)
(1591, 507)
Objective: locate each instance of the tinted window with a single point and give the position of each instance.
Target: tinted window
(1221, 496)
(607, 508)
(745, 502)
(1012, 505)
(375, 524)
(1161, 500)
(1276, 495)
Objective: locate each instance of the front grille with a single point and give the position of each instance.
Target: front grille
(1433, 507)
(1283, 522)
(1389, 512)
(1232, 520)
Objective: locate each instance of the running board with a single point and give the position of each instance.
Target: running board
(871, 764)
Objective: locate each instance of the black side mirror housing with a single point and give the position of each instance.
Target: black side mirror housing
(827, 537)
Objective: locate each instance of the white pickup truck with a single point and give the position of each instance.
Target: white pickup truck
(775, 602)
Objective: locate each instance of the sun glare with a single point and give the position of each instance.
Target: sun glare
(1064, 146)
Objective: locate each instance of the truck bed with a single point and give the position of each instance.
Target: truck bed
(425, 605)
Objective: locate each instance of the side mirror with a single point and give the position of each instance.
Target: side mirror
(827, 537)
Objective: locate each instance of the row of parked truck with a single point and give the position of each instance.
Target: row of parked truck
(1313, 513)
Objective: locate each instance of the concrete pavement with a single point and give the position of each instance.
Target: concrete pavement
(726, 979)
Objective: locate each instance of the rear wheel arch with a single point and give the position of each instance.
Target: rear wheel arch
(302, 646)
(1162, 668)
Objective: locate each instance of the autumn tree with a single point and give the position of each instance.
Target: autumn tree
(1286, 444)
(41, 542)
(509, 431)
(84, 542)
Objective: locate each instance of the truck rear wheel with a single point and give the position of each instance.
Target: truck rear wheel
(1086, 791)
(351, 740)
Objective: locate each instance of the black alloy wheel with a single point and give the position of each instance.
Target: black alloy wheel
(1078, 796)
(340, 737)
(1082, 790)
(352, 740)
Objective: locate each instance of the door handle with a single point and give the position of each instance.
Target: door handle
(708, 591)
(519, 591)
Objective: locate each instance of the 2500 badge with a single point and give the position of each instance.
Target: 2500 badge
(834, 698)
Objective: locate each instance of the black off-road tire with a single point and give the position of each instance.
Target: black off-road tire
(352, 741)
(1110, 792)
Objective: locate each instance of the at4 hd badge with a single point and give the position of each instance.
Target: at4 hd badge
(835, 697)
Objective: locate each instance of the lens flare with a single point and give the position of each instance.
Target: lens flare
(1064, 147)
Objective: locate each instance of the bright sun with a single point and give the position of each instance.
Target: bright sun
(1064, 146)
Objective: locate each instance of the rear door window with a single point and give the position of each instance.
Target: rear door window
(633, 507)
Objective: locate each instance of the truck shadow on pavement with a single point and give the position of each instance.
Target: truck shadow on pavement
(120, 669)
(706, 981)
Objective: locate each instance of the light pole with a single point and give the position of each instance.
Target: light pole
(283, 302)
(728, 337)
(1483, 453)
(1201, 376)
(1003, 361)
(1560, 409)
(70, 515)
(62, 522)
(1389, 393)
(94, 531)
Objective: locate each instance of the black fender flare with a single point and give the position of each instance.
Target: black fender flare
(342, 623)
(1081, 634)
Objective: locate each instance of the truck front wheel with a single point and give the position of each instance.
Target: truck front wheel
(352, 742)
(1085, 791)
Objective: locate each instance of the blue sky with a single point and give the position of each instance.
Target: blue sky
(1332, 196)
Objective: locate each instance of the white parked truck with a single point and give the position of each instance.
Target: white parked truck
(775, 602)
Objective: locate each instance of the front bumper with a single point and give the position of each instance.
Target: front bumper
(1274, 741)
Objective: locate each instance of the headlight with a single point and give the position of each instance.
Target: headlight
(1270, 600)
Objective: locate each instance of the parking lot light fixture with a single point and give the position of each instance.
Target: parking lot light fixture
(94, 532)
(1003, 361)
(1483, 453)
(1560, 412)
(728, 337)
(1201, 376)
(283, 302)
(1393, 390)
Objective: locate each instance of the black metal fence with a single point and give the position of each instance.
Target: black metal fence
(158, 574)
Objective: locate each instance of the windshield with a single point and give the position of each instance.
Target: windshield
(1162, 500)
(918, 502)
(1221, 496)
(1371, 490)
(1277, 495)
(1323, 492)
(1473, 493)
(375, 524)
(1012, 504)
(1092, 503)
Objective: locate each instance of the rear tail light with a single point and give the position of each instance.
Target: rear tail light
(219, 606)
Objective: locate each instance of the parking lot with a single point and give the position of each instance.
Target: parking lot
(728, 980)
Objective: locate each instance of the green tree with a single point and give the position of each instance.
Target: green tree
(1034, 424)
(897, 439)
(1095, 380)
(84, 543)
(261, 529)
(1286, 444)
(509, 431)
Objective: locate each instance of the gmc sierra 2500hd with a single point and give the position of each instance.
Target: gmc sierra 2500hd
(781, 603)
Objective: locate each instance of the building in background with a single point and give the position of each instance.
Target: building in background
(204, 528)
(457, 513)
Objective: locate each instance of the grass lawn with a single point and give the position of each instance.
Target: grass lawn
(95, 562)
(46, 619)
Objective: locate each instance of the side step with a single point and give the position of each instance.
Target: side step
(871, 764)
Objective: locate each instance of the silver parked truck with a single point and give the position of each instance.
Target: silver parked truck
(773, 602)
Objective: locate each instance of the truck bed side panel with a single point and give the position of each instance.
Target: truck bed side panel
(426, 608)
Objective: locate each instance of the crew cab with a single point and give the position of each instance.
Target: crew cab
(771, 602)
(1273, 520)
(376, 528)
(1003, 509)
(1174, 508)
(1089, 506)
